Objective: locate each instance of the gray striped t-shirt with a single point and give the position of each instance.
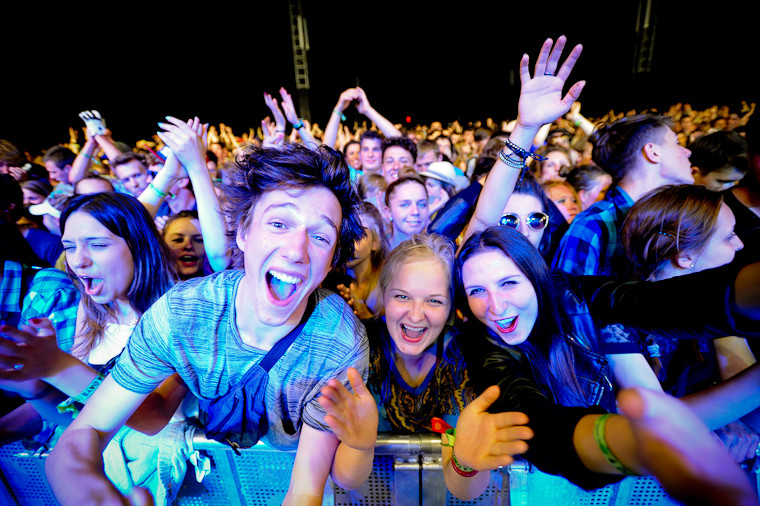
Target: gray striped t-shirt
(191, 330)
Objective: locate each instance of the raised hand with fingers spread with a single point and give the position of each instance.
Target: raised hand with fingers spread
(486, 440)
(353, 416)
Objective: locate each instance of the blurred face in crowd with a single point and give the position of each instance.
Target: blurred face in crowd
(556, 163)
(134, 176)
(425, 159)
(531, 218)
(371, 155)
(718, 180)
(566, 199)
(183, 236)
(394, 158)
(408, 209)
(352, 155)
(32, 198)
(597, 191)
(57, 173)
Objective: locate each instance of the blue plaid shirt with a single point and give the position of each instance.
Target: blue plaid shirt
(592, 246)
(50, 294)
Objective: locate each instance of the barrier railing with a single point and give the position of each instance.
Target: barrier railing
(406, 471)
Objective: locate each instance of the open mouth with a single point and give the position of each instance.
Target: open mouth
(507, 324)
(92, 286)
(412, 334)
(188, 260)
(282, 286)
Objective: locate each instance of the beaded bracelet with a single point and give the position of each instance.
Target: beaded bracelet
(601, 441)
(522, 153)
(299, 125)
(340, 113)
(511, 162)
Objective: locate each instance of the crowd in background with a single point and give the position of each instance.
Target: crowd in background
(470, 256)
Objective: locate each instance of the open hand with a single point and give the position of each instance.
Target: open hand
(485, 441)
(187, 142)
(30, 351)
(541, 99)
(352, 417)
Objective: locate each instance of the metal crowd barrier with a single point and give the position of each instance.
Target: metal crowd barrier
(406, 472)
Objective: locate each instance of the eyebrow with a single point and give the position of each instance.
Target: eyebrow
(88, 239)
(292, 207)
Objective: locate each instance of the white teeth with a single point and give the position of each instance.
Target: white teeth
(284, 277)
(506, 322)
(414, 329)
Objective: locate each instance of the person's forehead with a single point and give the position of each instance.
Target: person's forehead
(314, 202)
(559, 190)
(554, 156)
(370, 143)
(131, 167)
(523, 204)
(396, 151)
(410, 190)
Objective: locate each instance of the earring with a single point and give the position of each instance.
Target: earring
(691, 266)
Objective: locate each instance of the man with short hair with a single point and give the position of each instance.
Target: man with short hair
(296, 214)
(57, 161)
(131, 169)
(371, 151)
(398, 152)
(641, 153)
(427, 152)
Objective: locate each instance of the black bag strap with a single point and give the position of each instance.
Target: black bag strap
(281, 346)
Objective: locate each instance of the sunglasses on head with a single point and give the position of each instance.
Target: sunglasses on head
(536, 221)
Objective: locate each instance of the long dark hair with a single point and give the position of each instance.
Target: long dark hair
(124, 216)
(548, 348)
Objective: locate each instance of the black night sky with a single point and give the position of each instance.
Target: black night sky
(429, 61)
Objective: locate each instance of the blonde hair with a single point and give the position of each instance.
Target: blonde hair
(419, 247)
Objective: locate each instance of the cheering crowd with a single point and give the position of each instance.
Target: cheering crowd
(581, 293)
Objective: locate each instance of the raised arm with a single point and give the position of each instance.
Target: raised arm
(541, 102)
(579, 120)
(383, 124)
(333, 125)
(84, 160)
(187, 142)
(298, 125)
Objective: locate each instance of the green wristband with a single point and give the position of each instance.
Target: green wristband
(601, 441)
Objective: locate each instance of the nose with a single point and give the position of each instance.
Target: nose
(77, 258)
(523, 227)
(295, 247)
(737, 243)
(416, 312)
(497, 305)
(187, 244)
